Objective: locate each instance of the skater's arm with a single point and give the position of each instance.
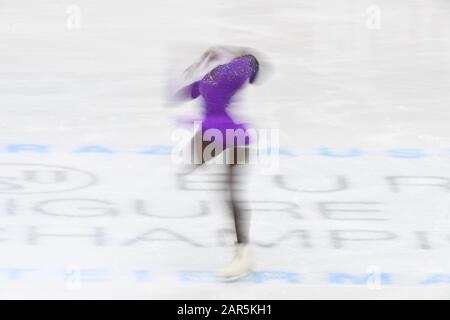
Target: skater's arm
(254, 69)
(195, 92)
(187, 93)
(258, 63)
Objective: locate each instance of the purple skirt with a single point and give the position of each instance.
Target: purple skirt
(221, 127)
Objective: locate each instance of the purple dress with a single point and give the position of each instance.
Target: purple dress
(217, 88)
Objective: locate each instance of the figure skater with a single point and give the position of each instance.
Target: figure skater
(217, 76)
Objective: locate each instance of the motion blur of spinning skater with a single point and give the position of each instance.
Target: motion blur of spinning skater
(216, 77)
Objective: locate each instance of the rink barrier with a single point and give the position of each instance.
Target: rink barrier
(166, 150)
(92, 276)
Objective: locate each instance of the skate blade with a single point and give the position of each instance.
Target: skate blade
(235, 278)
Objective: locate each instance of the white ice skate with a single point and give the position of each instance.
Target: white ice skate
(241, 265)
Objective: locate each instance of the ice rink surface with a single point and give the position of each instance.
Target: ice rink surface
(356, 206)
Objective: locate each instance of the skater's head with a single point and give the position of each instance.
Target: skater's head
(210, 59)
(218, 55)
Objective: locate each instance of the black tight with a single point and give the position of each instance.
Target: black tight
(240, 157)
(241, 217)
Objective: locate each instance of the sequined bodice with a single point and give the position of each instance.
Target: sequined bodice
(220, 84)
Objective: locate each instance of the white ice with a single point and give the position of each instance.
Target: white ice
(372, 76)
